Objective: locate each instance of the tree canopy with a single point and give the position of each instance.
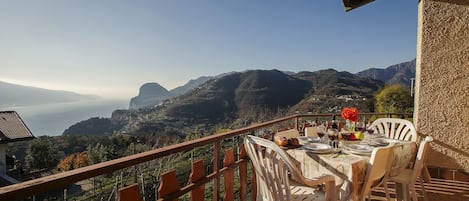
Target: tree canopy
(41, 153)
(394, 98)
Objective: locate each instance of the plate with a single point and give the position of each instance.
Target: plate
(304, 139)
(359, 148)
(351, 151)
(318, 147)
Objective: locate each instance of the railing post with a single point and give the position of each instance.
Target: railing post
(197, 174)
(243, 174)
(228, 176)
(296, 122)
(216, 167)
(169, 184)
(128, 193)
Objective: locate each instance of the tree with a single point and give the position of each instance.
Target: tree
(98, 153)
(41, 153)
(73, 161)
(394, 98)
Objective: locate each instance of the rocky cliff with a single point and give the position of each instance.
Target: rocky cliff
(149, 94)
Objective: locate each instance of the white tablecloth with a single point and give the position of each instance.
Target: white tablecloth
(348, 169)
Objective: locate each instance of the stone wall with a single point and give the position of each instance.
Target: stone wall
(442, 84)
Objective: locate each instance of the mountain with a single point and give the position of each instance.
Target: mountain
(237, 98)
(190, 85)
(155, 96)
(395, 74)
(331, 83)
(13, 95)
(239, 93)
(250, 93)
(333, 90)
(149, 94)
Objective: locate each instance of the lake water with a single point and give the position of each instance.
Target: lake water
(53, 119)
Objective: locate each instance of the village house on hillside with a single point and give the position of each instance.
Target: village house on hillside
(12, 129)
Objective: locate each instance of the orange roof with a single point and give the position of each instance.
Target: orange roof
(12, 128)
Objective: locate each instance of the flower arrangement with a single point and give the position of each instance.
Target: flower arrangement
(350, 113)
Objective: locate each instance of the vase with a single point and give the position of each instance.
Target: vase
(350, 125)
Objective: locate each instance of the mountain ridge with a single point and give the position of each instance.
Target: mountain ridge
(401, 73)
(19, 95)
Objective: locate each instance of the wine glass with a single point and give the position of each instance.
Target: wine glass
(346, 137)
(321, 135)
(333, 137)
(368, 134)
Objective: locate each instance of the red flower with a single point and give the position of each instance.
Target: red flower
(350, 113)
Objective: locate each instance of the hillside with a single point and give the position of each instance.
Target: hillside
(255, 95)
(190, 85)
(19, 95)
(330, 82)
(395, 74)
(333, 90)
(239, 94)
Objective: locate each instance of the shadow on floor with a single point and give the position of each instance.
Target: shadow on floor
(437, 190)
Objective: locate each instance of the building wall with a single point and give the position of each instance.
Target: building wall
(442, 81)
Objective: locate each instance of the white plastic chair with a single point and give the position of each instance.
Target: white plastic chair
(279, 179)
(377, 170)
(399, 129)
(289, 133)
(409, 176)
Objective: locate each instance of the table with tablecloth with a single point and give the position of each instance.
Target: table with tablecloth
(349, 170)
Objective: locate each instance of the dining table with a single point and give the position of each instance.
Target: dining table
(349, 168)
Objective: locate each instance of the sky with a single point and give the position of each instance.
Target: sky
(111, 47)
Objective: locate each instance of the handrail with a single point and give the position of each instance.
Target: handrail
(28, 188)
(44, 184)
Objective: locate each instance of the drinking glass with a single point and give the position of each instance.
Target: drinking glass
(368, 135)
(321, 135)
(333, 137)
(346, 137)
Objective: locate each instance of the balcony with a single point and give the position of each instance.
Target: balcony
(213, 168)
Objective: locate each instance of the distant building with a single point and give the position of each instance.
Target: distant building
(12, 129)
(350, 97)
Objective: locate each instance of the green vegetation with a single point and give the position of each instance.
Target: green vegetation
(41, 153)
(394, 98)
(93, 126)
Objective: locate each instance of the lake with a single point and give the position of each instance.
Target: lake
(53, 119)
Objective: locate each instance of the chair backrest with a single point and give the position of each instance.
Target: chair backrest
(420, 158)
(272, 166)
(311, 132)
(289, 133)
(378, 167)
(394, 128)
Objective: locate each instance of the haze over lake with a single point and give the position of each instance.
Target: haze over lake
(53, 119)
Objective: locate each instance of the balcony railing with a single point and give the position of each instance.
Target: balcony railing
(221, 175)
